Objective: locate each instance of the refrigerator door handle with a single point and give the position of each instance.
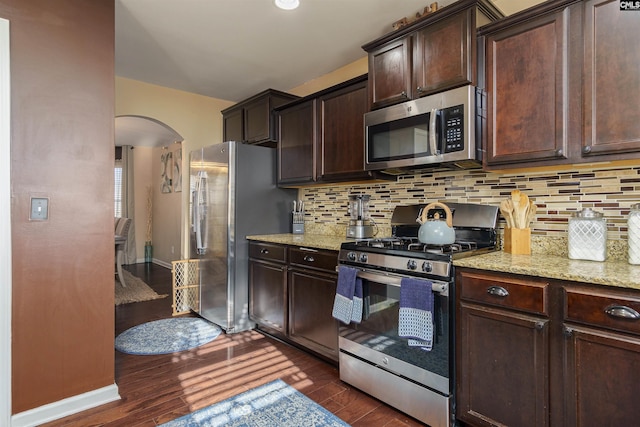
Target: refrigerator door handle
(200, 213)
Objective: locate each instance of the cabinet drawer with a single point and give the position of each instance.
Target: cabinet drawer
(268, 251)
(606, 309)
(311, 258)
(529, 295)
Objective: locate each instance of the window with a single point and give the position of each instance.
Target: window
(118, 188)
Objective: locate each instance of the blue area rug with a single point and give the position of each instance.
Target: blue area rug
(167, 336)
(270, 405)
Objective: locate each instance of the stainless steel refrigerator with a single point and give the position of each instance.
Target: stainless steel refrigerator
(233, 195)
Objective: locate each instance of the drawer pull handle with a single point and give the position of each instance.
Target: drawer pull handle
(498, 291)
(264, 251)
(308, 258)
(622, 311)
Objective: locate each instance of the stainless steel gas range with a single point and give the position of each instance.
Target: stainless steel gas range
(373, 357)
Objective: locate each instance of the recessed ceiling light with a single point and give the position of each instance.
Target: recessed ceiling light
(287, 4)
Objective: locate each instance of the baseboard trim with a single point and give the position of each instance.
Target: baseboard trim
(66, 407)
(163, 263)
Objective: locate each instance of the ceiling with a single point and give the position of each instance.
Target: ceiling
(233, 49)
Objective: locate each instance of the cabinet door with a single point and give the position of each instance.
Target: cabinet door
(311, 324)
(232, 125)
(390, 73)
(296, 146)
(526, 88)
(602, 375)
(341, 132)
(257, 118)
(611, 79)
(268, 295)
(443, 55)
(502, 362)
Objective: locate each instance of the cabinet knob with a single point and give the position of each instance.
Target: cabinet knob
(403, 94)
(567, 331)
(420, 89)
(539, 326)
(497, 291)
(622, 311)
(308, 258)
(264, 251)
(586, 149)
(559, 152)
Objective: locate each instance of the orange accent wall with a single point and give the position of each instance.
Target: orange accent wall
(62, 93)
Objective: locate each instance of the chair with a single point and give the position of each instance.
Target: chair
(121, 233)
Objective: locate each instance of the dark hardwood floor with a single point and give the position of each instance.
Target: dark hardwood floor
(157, 389)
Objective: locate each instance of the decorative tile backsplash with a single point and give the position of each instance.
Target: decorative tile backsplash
(557, 194)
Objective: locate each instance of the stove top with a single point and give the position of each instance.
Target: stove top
(411, 244)
(475, 227)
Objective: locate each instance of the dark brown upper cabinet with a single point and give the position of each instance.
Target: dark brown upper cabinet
(434, 53)
(321, 136)
(562, 85)
(252, 121)
(527, 87)
(611, 80)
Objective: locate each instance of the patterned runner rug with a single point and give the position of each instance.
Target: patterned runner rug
(272, 404)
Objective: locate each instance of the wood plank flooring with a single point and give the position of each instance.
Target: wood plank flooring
(157, 389)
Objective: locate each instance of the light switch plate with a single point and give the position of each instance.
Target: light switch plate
(39, 209)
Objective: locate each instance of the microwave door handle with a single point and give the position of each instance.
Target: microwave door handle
(433, 144)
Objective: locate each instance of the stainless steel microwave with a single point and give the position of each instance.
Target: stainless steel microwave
(439, 129)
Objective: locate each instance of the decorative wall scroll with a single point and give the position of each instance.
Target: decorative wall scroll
(166, 166)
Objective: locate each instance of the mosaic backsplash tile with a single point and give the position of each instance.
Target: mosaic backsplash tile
(557, 194)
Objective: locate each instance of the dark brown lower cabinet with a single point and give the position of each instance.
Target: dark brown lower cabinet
(504, 370)
(502, 351)
(601, 352)
(291, 293)
(311, 297)
(602, 378)
(268, 290)
(268, 286)
(531, 352)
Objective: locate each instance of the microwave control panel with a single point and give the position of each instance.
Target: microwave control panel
(453, 128)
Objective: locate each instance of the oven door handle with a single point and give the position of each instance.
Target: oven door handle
(394, 280)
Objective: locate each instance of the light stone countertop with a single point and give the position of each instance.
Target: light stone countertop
(314, 241)
(611, 273)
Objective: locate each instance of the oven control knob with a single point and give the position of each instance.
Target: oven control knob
(426, 267)
(363, 258)
(351, 256)
(412, 265)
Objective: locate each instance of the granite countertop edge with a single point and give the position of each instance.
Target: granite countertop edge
(613, 273)
(313, 241)
(609, 273)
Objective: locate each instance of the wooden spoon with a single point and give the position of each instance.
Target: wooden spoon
(523, 210)
(515, 200)
(506, 209)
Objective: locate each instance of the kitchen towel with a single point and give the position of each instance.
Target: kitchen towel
(416, 312)
(347, 305)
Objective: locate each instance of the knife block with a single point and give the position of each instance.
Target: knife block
(517, 241)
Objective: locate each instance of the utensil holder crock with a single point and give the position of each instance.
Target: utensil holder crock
(517, 241)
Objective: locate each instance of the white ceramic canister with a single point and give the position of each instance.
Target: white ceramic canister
(633, 227)
(588, 236)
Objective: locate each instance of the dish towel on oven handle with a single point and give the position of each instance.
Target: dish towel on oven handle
(347, 305)
(416, 312)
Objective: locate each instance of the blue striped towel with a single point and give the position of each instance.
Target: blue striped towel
(347, 305)
(416, 312)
